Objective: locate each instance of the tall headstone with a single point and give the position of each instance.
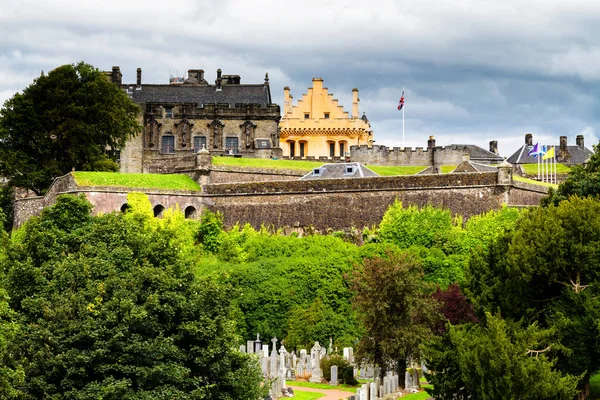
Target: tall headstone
(257, 344)
(365, 390)
(250, 346)
(334, 375)
(317, 374)
(407, 380)
(265, 350)
(373, 392)
(415, 378)
(242, 348)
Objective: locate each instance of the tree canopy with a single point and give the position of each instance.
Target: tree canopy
(110, 307)
(66, 119)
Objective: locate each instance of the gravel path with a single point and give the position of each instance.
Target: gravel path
(333, 394)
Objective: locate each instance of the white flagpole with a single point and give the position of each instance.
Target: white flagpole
(403, 107)
(538, 160)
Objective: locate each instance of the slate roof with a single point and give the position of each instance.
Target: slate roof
(578, 155)
(201, 94)
(478, 154)
(340, 171)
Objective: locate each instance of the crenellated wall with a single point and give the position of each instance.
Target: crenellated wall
(383, 155)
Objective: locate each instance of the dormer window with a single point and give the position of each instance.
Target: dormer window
(317, 172)
(168, 112)
(349, 170)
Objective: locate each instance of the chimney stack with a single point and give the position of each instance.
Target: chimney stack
(355, 101)
(431, 142)
(563, 143)
(139, 78)
(287, 100)
(579, 141)
(529, 139)
(117, 76)
(218, 81)
(494, 147)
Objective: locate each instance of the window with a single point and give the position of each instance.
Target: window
(199, 143)
(302, 146)
(326, 115)
(292, 149)
(168, 144)
(306, 115)
(331, 149)
(342, 152)
(231, 145)
(349, 171)
(317, 172)
(168, 112)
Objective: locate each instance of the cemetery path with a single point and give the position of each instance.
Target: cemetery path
(330, 394)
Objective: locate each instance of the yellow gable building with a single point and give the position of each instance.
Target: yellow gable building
(319, 127)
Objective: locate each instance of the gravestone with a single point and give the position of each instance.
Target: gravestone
(415, 378)
(373, 392)
(334, 375)
(242, 349)
(250, 346)
(257, 344)
(317, 373)
(407, 380)
(365, 390)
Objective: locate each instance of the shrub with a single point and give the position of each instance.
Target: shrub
(345, 369)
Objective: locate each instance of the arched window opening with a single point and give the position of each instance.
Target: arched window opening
(190, 212)
(159, 211)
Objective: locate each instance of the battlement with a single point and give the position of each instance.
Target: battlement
(418, 156)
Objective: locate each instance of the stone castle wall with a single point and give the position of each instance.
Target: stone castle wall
(322, 204)
(383, 155)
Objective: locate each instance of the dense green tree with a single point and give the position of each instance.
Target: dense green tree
(548, 270)
(495, 360)
(6, 204)
(110, 308)
(395, 309)
(63, 120)
(428, 226)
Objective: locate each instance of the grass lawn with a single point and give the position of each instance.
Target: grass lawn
(395, 170)
(595, 386)
(527, 180)
(299, 395)
(532, 169)
(267, 163)
(325, 386)
(308, 165)
(446, 169)
(147, 181)
(417, 396)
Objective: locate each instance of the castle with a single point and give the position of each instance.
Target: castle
(319, 127)
(186, 115)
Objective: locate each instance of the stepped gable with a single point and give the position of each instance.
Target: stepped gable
(229, 94)
(340, 171)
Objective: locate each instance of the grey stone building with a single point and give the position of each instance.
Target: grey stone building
(566, 154)
(183, 116)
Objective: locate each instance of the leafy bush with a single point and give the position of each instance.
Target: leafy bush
(345, 369)
(210, 231)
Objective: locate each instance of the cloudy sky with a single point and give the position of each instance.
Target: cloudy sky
(473, 71)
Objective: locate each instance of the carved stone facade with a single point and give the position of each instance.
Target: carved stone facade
(184, 116)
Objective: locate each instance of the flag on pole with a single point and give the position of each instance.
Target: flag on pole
(534, 150)
(401, 103)
(549, 154)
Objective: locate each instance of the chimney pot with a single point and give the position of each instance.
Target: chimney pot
(579, 141)
(139, 77)
(529, 139)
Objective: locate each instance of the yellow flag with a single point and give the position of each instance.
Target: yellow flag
(549, 154)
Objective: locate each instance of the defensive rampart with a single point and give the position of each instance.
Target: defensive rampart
(322, 204)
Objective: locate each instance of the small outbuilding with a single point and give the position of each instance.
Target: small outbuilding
(340, 171)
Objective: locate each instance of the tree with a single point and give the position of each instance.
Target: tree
(583, 181)
(110, 307)
(395, 309)
(495, 360)
(64, 120)
(454, 306)
(548, 271)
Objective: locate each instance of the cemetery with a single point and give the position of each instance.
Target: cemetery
(282, 369)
